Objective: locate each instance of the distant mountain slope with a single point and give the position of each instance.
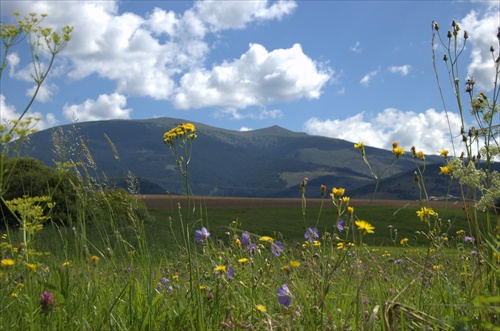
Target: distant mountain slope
(269, 162)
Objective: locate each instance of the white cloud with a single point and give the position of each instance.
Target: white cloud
(245, 129)
(356, 48)
(403, 70)
(258, 77)
(105, 107)
(237, 114)
(368, 77)
(45, 92)
(220, 15)
(482, 30)
(426, 131)
(9, 113)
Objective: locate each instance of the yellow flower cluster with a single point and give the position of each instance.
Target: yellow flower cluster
(396, 150)
(337, 192)
(425, 212)
(181, 131)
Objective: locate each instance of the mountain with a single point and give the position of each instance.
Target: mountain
(269, 162)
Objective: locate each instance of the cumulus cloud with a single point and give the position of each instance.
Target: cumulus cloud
(105, 107)
(145, 56)
(9, 113)
(237, 114)
(402, 70)
(427, 131)
(258, 77)
(482, 29)
(244, 129)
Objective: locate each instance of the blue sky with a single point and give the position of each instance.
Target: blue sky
(355, 70)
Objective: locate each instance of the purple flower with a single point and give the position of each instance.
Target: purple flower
(230, 272)
(340, 226)
(245, 238)
(277, 248)
(202, 235)
(163, 284)
(311, 234)
(398, 261)
(469, 239)
(284, 296)
(252, 249)
(48, 301)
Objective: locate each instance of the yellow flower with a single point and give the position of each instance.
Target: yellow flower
(340, 246)
(4, 236)
(31, 266)
(359, 145)
(237, 243)
(346, 200)
(220, 269)
(286, 268)
(350, 209)
(7, 262)
(175, 277)
(437, 267)
(261, 308)
(294, 264)
(425, 212)
(446, 170)
(67, 263)
(338, 192)
(443, 153)
(304, 245)
(94, 259)
(266, 238)
(420, 155)
(404, 241)
(398, 151)
(243, 260)
(317, 243)
(203, 287)
(365, 227)
(459, 232)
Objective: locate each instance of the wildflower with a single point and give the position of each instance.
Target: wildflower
(175, 277)
(277, 248)
(65, 264)
(237, 242)
(323, 190)
(252, 249)
(350, 209)
(266, 238)
(338, 192)
(317, 243)
(286, 269)
(425, 212)
(404, 241)
(421, 155)
(496, 256)
(284, 296)
(294, 264)
(245, 238)
(243, 260)
(203, 287)
(398, 261)
(7, 263)
(4, 236)
(346, 200)
(48, 301)
(340, 246)
(311, 234)
(201, 236)
(446, 170)
(31, 266)
(365, 227)
(261, 308)
(469, 239)
(443, 153)
(359, 145)
(164, 284)
(437, 267)
(219, 269)
(340, 225)
(230, 272)
(395, 144)
(460, 232)
(398, 151)
(94, 259)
